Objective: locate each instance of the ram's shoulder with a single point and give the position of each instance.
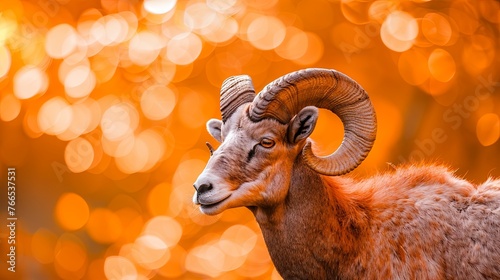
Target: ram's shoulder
(415, 180)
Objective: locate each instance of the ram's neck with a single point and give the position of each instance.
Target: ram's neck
(316, 225)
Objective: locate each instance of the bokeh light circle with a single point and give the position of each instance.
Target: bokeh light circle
(136, 159)
(266, 32)
(104, 226)
(436, 28)
(10, 107)
(79, 82)
(43, 243)
(488, 129)
(314, 52)
(119, 268)
(166, 228)
(79, 155)
(398, 31)
(413, 67)
(198, 16)
(150, 251)
(157, 102)
(30, 81)
(119, 120)
(238, 240)
(295, 44)
(159, 6)
(144, 48)
(55, 116)
(71, 211)
(61, 41)
(184, 48)
(70, 256)
(441, 65)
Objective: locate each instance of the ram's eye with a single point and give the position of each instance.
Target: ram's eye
(267, 143)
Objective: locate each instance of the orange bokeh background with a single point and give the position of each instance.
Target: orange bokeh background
(103, 107)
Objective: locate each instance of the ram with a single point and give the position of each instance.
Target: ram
(414, 222)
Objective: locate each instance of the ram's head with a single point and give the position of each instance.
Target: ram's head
(263, 136)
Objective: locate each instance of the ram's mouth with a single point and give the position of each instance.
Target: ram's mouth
(212, 208)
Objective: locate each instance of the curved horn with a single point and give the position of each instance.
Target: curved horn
(328, 89)
(235, 91)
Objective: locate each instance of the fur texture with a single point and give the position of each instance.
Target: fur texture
(416, 222)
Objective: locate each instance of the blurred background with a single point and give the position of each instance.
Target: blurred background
(104, 103)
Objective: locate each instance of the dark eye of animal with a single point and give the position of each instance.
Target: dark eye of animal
(267, 143)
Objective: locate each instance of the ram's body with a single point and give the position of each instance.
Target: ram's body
(414, 222)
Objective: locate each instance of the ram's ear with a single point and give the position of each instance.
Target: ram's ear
(302, 125)
(214, 127)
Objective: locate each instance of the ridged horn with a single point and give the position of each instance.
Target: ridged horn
(235, 91)
(329, 89)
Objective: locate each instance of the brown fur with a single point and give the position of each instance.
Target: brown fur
(419, 222)
(416, 222)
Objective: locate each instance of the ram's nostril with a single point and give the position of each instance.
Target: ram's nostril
(204, 188)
